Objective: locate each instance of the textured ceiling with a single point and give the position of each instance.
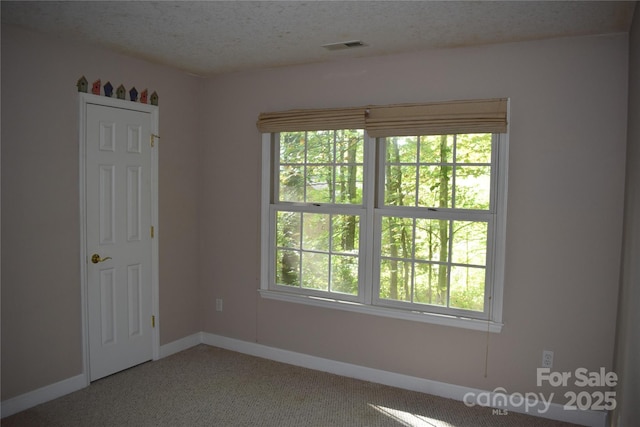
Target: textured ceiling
(212, 37)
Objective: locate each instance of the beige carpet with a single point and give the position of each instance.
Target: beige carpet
(208, 386)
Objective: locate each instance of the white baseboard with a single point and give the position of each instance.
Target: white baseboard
(42, 395)
(180, 345)
(59, 389)
(555, 411)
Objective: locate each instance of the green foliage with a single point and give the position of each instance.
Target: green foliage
(467, 287)
(424, 260)
(321, 166)
(317, 251)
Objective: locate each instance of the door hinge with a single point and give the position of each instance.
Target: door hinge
(153, 321)
(152, 232)
(152, 139)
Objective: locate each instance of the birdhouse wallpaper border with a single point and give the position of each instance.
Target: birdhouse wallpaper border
(97, 88)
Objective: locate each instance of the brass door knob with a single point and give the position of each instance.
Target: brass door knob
(95, 258)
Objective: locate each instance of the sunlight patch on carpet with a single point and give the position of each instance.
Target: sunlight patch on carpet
(408, 419)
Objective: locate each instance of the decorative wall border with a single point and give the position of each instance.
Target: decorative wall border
(121, 92)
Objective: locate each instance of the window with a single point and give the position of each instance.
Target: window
(407, 225)
(317, 212)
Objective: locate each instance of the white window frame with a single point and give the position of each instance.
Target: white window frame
(367, 301)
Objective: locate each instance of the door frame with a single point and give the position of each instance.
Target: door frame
(84, 100)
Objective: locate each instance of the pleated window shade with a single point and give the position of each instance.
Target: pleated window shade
(299, 120)
(479, 116)
(440, 118)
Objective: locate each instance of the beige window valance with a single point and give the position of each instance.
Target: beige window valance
(473, 116)
(324, 119)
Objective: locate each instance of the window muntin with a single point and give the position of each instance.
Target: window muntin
(438, 171)
(317, 251)
(317, 212)
(433, 222)
(321, 167)
(438, 180)
(433, 262)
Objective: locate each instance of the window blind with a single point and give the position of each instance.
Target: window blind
(477, 116)
(320, 119)
(438, 118)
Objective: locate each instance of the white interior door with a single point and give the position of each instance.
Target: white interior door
(118, 238)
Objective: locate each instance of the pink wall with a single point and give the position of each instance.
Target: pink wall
(567, 142)
(41, 317)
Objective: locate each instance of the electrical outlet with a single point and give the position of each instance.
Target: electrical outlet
(547, 359)
(218, 304)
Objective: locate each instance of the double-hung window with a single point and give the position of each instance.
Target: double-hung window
(318, 212)
(396, 211)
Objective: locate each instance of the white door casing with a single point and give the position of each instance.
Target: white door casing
(118, 209)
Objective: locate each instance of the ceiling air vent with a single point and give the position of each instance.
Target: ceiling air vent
(344, 45)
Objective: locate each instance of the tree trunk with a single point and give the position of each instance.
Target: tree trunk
(393, 191)
(350, 226)
(443, 225)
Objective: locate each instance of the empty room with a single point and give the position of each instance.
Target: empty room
(327, 213)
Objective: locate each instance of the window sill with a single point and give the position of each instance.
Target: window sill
(416, 316)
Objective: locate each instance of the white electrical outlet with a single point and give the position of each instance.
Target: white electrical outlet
(218, 304)
(547, 359)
